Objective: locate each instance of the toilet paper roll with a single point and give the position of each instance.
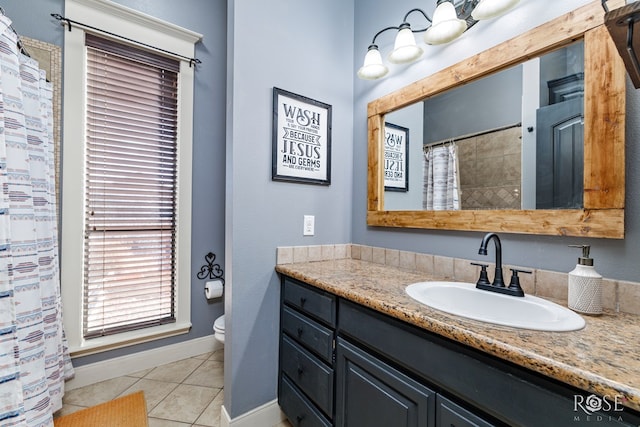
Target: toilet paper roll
(213, 289)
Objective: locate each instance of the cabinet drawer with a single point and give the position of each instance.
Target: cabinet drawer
(310, 334)
(450, 414)
(314, 302)
(313, 377)
(297, 408)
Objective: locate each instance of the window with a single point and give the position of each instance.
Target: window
(126, 181)
(130, 188)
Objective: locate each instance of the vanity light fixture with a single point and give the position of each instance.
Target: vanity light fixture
(450, 20)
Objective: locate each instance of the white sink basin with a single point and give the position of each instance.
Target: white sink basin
(463, 299)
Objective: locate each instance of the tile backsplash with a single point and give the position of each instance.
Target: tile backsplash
(617, 295)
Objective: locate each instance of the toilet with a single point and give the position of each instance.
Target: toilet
(218, 329)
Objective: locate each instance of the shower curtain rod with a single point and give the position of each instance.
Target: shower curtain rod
(69, 22)
(472, 135)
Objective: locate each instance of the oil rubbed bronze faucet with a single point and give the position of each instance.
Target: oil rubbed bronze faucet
(498, 282)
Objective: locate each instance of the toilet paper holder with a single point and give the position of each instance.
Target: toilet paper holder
(213, 272)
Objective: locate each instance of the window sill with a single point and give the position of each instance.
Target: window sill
(112, 342)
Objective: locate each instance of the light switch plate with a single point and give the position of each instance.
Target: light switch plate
(309, 225)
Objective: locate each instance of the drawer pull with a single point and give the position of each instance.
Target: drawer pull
(299, 419)
(300, 331)
(303, 301)
(300, 370)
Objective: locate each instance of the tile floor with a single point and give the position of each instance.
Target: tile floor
(180, 394)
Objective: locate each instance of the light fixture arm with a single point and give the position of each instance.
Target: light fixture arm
(373, 42)
(404, 21)
(423, 13)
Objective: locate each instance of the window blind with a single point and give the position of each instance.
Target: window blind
(131, 182)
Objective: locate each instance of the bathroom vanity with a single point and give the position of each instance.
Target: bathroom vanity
(355, 350)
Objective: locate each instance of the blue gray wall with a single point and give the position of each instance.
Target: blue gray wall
(615, 259)
(32, 19)
(305, 47)
(489, 103)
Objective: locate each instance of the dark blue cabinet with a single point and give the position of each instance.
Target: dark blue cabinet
(346, 365)
(307, 342)
(371, 393)
(486, 390)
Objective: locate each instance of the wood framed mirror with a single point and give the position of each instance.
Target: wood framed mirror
(602, 212)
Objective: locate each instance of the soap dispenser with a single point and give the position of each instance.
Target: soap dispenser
(585, 285)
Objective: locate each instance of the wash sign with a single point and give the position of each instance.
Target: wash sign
(301, 139)
(396, 166)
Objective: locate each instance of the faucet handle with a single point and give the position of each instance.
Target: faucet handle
(515, 271)
(484, 278)
(515, 280)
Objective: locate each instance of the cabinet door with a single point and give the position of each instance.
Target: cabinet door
(371, 393)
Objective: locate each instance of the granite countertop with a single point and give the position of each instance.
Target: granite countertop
(602, 358)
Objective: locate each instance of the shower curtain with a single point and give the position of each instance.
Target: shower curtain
(441, 181)
(34, 360)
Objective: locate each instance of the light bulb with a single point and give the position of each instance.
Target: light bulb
(405, 49)
(445, 26)
(373, 68)
(488, 9)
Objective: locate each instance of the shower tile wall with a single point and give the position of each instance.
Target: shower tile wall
(490, 170)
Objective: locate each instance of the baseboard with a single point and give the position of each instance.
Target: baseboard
(225, 419)
(124, 365)
(268, 415)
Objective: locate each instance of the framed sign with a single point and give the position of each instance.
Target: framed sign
(301, 139)
(396, 158)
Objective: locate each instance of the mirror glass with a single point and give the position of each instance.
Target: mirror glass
(471, 140)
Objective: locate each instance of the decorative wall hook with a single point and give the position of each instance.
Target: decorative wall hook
(210, 270)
